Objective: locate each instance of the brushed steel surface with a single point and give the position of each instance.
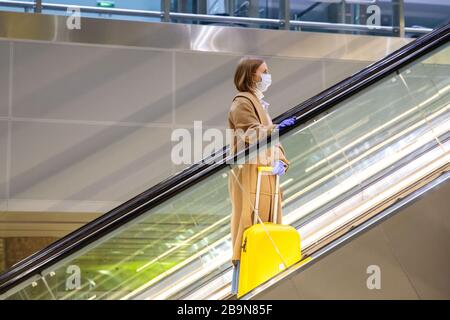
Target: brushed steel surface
(189, 37)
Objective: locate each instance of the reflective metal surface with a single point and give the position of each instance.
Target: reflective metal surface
(198, 37)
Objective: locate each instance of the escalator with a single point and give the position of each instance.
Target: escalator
(362, 148)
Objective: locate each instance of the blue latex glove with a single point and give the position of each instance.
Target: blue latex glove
(279, 168)
(286, 123)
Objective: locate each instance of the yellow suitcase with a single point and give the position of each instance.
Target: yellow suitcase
(267, 248)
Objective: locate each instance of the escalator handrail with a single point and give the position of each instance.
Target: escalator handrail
(133, 208)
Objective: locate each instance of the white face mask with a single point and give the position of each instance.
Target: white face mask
(266, 81)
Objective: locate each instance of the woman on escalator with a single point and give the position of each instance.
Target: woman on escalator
(249, 112)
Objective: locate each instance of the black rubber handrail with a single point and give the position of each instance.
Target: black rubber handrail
(164, 190)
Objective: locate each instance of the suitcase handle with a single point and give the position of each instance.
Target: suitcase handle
(267, 170)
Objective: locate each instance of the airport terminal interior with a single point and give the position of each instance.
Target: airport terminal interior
(94, 207)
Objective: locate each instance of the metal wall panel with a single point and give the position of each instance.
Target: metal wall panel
(4, 77)
(186, 37)
(3, 163)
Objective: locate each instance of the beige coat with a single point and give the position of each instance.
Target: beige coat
(245, 115)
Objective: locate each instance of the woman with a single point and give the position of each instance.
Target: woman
(249, 113)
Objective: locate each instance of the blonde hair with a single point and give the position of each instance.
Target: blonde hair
(246, 68)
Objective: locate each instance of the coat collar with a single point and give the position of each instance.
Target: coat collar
(256, 103)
